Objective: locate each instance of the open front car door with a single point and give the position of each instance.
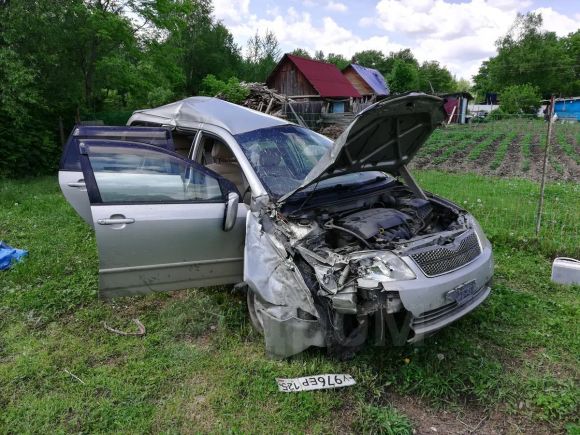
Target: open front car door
(162, 222)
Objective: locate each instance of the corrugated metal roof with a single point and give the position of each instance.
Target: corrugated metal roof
(373, 78)
(326, 78)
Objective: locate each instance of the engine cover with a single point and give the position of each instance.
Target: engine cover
(377, 221)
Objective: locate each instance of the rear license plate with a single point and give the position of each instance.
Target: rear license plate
(462, 293)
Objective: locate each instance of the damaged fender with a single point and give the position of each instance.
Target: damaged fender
(275, 279)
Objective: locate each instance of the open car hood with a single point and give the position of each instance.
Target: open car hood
(384, 137)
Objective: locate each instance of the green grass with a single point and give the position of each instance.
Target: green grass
(201, 368)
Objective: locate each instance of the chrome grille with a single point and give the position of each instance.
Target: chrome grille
(445, 259)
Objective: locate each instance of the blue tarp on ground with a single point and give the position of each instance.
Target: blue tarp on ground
(8, 255)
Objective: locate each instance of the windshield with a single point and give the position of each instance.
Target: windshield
(283, 156)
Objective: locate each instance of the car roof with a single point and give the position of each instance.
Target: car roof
(191, 111)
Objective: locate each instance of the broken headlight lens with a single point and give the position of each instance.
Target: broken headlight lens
(384, 266)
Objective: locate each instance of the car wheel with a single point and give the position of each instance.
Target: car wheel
(255, 307)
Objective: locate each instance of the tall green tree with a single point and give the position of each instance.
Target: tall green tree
(404, 77)
(433, 77)
(529, 55)
(262, 54)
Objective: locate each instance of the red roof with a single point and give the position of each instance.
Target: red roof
(326, 78)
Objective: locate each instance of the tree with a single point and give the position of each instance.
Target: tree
(435, 78)
(462, 85)
(301, 52)
(319, 55)
(337, 59)
(230, 90)
(529, 55)
(520, 99)
(262, 55)
(372, 59)
(403, 77)
(405, 55)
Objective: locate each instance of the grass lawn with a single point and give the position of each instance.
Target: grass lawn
(512, 365)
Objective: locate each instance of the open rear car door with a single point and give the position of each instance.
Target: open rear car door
(162, 222)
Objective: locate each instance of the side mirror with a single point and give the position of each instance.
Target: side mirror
(231, 212)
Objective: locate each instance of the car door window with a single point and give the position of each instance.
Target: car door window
(139, 175)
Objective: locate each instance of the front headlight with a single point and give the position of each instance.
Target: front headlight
(478, 230)
(383, 266)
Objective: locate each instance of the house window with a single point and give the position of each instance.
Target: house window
(337, 107)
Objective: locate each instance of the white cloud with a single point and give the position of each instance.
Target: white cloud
(458, 35)
(336, 6)
(556, 22)
(295, 29)
(231, 10)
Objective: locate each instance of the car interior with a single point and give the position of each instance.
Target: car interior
(217, 157)
(183, 143)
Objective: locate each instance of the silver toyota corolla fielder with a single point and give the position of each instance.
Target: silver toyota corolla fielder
(333, 241)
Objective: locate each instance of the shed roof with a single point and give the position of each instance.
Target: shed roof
(456, 95)
(372, 77)
(326, 78)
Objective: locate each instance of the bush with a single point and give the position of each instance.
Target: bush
(27, 152)
(231, 90)
(520, 99)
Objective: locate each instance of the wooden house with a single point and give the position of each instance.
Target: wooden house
(312, 81)
(367, 81)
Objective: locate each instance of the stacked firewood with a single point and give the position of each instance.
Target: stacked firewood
(264, 99)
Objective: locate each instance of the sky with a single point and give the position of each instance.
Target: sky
(460, 34)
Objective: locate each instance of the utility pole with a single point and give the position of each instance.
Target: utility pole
(545, 166)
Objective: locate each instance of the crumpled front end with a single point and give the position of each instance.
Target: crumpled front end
(332, 276)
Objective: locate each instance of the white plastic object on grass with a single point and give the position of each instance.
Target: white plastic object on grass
(566, 271)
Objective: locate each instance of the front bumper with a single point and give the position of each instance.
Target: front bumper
(426, 298)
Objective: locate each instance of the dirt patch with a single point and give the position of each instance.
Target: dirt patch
(427, 420)
(458, 162)
(481, 164)
(511, 165)
(426, 161)
(537, 161)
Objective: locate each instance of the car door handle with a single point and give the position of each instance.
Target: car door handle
(77, 184)
(115, 221)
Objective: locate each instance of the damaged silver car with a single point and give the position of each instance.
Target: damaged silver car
(335, 242)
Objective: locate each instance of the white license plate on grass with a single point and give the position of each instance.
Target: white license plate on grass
(317, 382)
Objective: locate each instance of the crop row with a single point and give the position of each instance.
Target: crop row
(502, 149)
(527, 151)
(484, 145)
